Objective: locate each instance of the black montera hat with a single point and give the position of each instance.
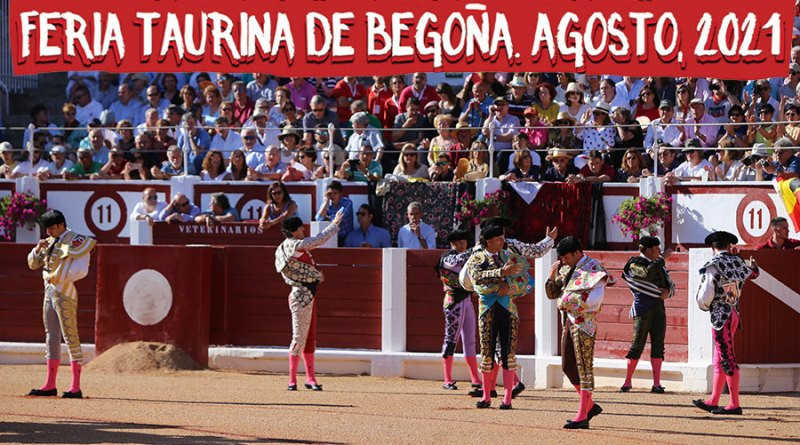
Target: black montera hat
(722, 238)
(490, 232)
(498, 221)
(290, 225)
(458, 235)
(649, 241)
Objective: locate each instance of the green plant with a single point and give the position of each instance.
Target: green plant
(20, 209)
(471, 212)
(636, 215)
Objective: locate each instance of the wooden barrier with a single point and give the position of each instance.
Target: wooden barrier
(231, 234)
(425, 319)
(22, 294)
(251, 307)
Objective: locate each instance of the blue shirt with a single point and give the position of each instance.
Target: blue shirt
(377, 237)
(347, 221)
(203, 141)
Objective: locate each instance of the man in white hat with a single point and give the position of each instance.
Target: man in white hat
(561, 166)
(7, 154)
(518, 98)
(59, 165)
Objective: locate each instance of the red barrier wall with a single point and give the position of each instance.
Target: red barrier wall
(189, 274)
(615, 329)
(22, 295)
(230, 234)
(770, 328)
(425, 319)
(251, 308)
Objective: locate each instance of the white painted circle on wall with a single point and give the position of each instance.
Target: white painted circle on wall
(147, 297)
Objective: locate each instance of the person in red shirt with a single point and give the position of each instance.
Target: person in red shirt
(780, 236)
(243, 107)
(391, 106)
(346, 91)
(595, 170)
(377, 96)
(420, 89)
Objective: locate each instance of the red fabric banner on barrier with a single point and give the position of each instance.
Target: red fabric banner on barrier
(736, 40)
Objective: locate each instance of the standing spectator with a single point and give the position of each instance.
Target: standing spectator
(333, 202)
(279, 206)
(179, 210)
(505, 125)
(367, 234)
(377, 95)
(363, 169)
(705, 133)
(409, 165)
(149, 208)
(391, 106)
(225, 140)
(416, 234)
(86, 108)
(219, 211)
(320, 115)
(262, 87)
(418, 89)
(301, 93)
(196, 141)
(347, 91)
(780, 236)
(126, 107)
(664, 130)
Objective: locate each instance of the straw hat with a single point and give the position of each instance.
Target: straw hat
(288, 131)
(573, 87)
(517, 82)
(558, 153)
(564, 116)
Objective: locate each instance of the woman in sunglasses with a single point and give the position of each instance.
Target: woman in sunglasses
(410, 165)
(279, 206)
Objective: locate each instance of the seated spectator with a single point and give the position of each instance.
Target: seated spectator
(409, 165)
(28, 168)
(74, 132)
(573, 103)
(148, 209)
(290, 116)
(753, 164)
(41, 122)
(561, 166)
(290, 144)
(149, 122)
(416, 234)
(647, 104)
(780, 236)
(729, 167)
(226, 110)
(766, 132)
(363, 133)
(520, 144)
(320, 115)
(179, 210)
(162, 139)
(410, 125)
(125, 137)
(279, 206)
(85, 168)
(595, 170)
(666, 162)
(252, 149)
(629, 133)
(464, 137)
(547, 107)
(792, 129)
(523, 170)
(785, 164)
(599, 133)
(333, 202)
(243, 106)
(707, 133)
(322, 142)
(364, 169)
(115, 166)
(210, 110)
(693, 167)
(367, 234)
(127, 107)
(214, 167)
(633, 165)
(86, 108)
(444, 141)
(237, 167)
(303, 168)
(451, 105)
(98, 146)
(736, 130)
(173, 166)
(441, 171)
(270, 170)
(505, 125)
(478, 165)
(196, 140)
(219, 211)
(663, 130)
(225, 140)
(141, 159)
(536, 130)
(189, 101)
(58, 166)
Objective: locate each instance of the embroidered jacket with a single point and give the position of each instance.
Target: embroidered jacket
(449, 266)
(583, 292)
(294, 271)
(64, 261)
(646, 280)
(721, 286)
(486, 273)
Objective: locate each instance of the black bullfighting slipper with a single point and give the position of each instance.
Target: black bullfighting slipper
(735, 411)
(483, 404)
(625, 388)
(313, 387)
(43, 392)
(477, 386)
(657, 389)
(450, 386)
(504, 406)
(595, 411)
(518, 388)
(582, 425)
(72, 395)
(700, 403)
(291, 388)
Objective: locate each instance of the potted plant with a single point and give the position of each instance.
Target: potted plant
(471, 212)
(20, 210)
(643, 216)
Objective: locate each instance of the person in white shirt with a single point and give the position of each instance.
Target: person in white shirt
(253, 151)
(608, 94)
(363, 132)
(86, 108)
(148, 208)
(664, 129)
(693, 167)
(59, 165)
(127, 107)
(150, 122)
(225, 140)
(628, 90)
(28, 168)
(416, 234)
(706, 134)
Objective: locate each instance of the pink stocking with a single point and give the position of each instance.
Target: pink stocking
(472, 364)
(656, 363)
(716, 390)
(577, 388)
(487, 386)
(447, 365)
(584, 406)
(631, 368)
(733, 388)
(52, 372)
(75, 386)
(294, 363)
(495, 371)
(509, 380)
(308, 360)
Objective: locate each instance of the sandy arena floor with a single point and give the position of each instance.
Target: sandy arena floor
(205, 407)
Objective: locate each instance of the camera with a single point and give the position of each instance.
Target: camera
(353, 163)
(748, 161)
(763, 162)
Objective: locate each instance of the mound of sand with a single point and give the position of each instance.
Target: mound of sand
(143, 356)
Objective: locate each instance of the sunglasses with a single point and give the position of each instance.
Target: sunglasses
(248, 138)
(152, 198)
(409, 155)
(227, 109)
(318, 110)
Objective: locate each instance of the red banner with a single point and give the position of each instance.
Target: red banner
(735, 40)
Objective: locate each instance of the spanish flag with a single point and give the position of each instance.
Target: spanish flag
(789, 191)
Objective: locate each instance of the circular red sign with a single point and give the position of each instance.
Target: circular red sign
(746, 221)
